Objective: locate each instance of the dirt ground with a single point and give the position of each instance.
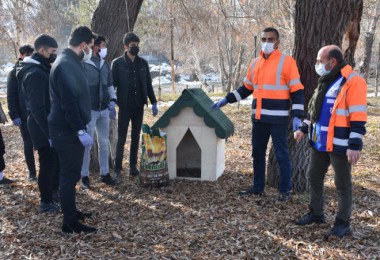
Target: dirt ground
(191, 219)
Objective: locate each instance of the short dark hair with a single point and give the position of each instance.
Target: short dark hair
(130, 37)
(271, 29)
(80, 34)
(99, 39)
(337, 54)
(26, 49)
(44, 40)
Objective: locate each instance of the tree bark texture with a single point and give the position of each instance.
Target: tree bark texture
(110, 19)
(377, 82)
(369, 39)
(317, 23)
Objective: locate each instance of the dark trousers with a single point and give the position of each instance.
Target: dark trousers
(136, 117)
(70, 153)
(47, 177)
(319, 165)
(260, 138)
(28, 147)
(2, 163)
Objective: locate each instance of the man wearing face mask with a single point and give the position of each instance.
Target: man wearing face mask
(133, 85)
(69, 115)
(274, 80)
(337, 118)
(33, 73)
(103, 97)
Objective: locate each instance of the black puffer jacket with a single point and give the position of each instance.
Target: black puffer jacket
(15, 97)
(33, 75)
(120, 75)
(70, 96)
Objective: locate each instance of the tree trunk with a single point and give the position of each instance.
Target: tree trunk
(369, 39)
(311, 33)
(377, 82)
(112, 20)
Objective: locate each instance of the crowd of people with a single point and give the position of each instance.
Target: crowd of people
(59, 102)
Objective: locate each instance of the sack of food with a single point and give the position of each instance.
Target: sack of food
(153, 166)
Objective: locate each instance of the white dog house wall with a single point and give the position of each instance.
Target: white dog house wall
(196, 137)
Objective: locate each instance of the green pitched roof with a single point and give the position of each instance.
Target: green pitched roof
(201, 104)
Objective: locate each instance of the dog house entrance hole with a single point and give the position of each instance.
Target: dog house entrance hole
(189, 156)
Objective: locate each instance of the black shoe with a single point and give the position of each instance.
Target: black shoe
(77, 227)
(82, 216)
(107, 179)
(284, 197)
(56, 197)
(85, 183)
(310, 218)
(48, 207)
(133, 171)
(251, 191)
(32, 177)
(116, 174)
(6, 181)
(340, 229)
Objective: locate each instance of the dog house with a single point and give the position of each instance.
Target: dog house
(196, 137)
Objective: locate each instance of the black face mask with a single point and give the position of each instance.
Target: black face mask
(52, 58)
(134, 50)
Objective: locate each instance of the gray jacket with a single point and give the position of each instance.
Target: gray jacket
(100, 83)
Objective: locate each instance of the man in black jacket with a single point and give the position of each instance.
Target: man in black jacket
(133, 85)
(70, 113)
(33, 74)
(18, 113)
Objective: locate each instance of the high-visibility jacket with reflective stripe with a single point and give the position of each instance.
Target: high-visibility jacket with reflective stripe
(276, 86)
(348, 116)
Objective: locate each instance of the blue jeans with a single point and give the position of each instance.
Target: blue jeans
(260, 138)
(100, 121)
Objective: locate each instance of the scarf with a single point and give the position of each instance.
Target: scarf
(324, 82)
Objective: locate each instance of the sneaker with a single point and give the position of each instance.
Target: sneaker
(6, 181)
(107, 179)
(340, 229)
(77, 227)
(251, 191)
(85, 183)
(284, 197)
(133, 171)
(48, 207)
(32, 177)
(310, 218)
(82, 216)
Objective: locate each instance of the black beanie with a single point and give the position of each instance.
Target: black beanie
(45, 40)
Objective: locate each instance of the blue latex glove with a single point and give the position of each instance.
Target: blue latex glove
(154, 109)
(85, 139)
(296, 123)
(112, 109)
(17, 121)
(220, 103)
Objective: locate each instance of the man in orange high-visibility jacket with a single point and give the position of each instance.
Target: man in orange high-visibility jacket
(337, 124)
(274, 80)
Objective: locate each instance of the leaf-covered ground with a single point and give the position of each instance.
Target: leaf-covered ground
(190, 219)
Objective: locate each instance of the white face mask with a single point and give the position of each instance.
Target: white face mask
(267, 47)
(103, 53)
(88, 55)
(321, 69)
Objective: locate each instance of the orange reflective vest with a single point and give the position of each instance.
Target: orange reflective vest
(349, 114)
(275, 82)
